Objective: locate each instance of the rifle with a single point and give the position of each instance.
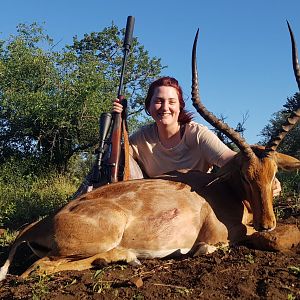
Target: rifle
(111, 166)
(117, 118)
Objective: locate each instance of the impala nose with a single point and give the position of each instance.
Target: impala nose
(266, 226)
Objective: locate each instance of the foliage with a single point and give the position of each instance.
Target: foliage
(40, 287)
(50, 101)
(290, 183)
(100, 284)
(140, 70)
(7, 237)
(291, 143)
(240, 128)
(26, 196)
(294, 270)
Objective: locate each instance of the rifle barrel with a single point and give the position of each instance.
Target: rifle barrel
(126, 47)
(129, 32)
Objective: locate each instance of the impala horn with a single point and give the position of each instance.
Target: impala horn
(295, 115)
(208, 116)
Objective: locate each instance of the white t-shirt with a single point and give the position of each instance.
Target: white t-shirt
(199, 149)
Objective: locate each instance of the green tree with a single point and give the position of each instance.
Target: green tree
(240, 128)
(107, 47)
(291, 143)
(50, 101)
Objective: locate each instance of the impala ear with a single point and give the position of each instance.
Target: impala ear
(287, 162)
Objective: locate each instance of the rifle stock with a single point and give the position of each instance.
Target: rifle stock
(115, 138)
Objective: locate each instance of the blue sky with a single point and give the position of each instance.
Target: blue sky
(244, 57)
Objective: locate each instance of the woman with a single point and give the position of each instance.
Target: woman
(174, 141)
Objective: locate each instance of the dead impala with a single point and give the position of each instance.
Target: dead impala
(181, 214)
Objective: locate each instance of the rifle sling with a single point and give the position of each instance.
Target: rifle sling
(126, 151)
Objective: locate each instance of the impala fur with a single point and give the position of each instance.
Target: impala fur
(182, 213)
(259, 164)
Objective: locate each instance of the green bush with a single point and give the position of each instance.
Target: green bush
(25, 196)
(290, 183)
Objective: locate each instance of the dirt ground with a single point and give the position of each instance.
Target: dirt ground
(235, 273)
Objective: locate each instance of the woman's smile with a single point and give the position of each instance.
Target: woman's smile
(164, 106)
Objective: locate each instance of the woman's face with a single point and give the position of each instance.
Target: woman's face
(164, 106)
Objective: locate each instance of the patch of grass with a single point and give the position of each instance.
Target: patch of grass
(294, 270)
(26, 197)
(291, 297)
(40, 287)
(184, 291)
(101, 285)
(286, 207)
(138, 296)
(225, 249)
(7, 237)
(279, 212)
(250, 258)
(288, 203)
(290, 183)
(72, 281)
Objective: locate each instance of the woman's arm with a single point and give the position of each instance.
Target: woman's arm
(226, 157)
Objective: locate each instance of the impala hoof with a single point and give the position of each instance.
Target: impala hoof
(135, 263)
(204, 248)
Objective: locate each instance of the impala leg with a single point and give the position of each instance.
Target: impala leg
(203, 248)
(50, 266)
(212, 232)
(284, 238)
(43, 265)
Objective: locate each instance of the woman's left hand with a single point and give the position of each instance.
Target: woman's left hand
(276, 187)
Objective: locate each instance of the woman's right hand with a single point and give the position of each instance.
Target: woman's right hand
(117, 106)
